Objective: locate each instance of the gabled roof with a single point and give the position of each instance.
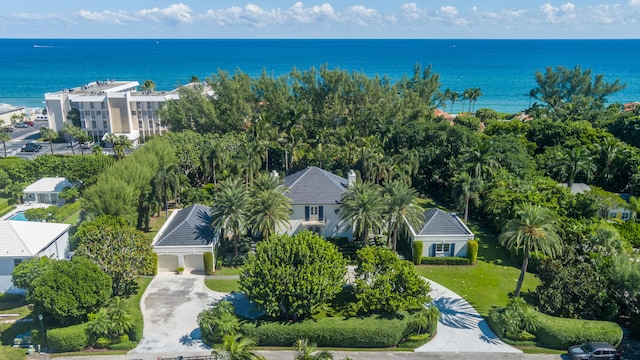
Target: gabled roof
(313, 186)
(48, 185)
(438, 222)
(27, 238)
(188, 227)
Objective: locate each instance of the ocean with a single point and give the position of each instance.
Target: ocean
(502, 69)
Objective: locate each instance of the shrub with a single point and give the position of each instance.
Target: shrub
(472, 251)
(127, 345)
(70, 338)
(7, 210)
(102, 342)
(373, 331)
(446, 260)
(208, 262)
(560, 333)
(417, 252)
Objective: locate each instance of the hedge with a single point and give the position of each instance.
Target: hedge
(446, 260)
(208, 262)
(472, 251)
(7, 210)
(70, 338)
(63, 213)
(560, 333)
(369, 332)
(417, 252)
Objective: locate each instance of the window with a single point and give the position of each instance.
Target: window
(93, 124)
(102, 105)
(315, 229)
(92, 105)
(313, 210)
(16, 262)
(443, 248)
(133, 112)
(105, 125)
(626, 215)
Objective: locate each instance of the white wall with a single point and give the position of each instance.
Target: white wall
(58, 249)
(181, 252)
(460, 244)
(333, 227)
(6, 268)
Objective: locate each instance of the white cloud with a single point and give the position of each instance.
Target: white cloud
(563, 14)
(173, 14)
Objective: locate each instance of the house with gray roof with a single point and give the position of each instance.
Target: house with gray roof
(442, 234)
(23, 240)
(315, 201)
(184, 238)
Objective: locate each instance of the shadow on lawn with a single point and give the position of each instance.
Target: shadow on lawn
(490, 250)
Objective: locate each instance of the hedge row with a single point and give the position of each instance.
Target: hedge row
(560, 333)
(63, 213)
(446, 260)
(372, 332)
(70, 338)
(7, 210)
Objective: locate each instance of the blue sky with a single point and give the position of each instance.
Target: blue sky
(497, 19)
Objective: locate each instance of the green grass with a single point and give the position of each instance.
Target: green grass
(133, 304)
(155, 224)
(486, 285)
(228, 271)
(10, 304)
(225, 286)
(73, 219)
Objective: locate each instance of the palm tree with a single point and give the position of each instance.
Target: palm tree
(571, 162)
(237, 347)
(269, 210)
(121, 320)
(533, 94)
(401, 208)
(534, 229)
(465, 189)
(476, 93)
(120, 144)
(70, 131)
(230, 210)
(481, 160)
(307, 351)
(48, 135)
(4, 137)
(454, 96)
(362, 207)
(166, 180)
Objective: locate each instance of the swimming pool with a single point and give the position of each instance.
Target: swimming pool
(19, 216)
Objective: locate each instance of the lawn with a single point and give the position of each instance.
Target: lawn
(486, 285)
(12, 305)
(228, 271)
(222, 285)
(155, 224)
(73, 219)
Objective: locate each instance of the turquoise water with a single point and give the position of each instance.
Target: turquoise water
(502, 69)
(19, 216)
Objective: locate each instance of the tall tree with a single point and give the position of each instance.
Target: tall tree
(269, 205)
(166, 181)
(362, 206)
(534, 229)
(230, 210)
(571, 162)
(465, 189)
(481, 160)
(70, 131)
(48, 135)
(401, 208)
(4, 137)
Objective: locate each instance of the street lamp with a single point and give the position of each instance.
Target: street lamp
(44, 334)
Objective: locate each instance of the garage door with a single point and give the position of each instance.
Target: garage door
(194, 262)
(167, 262)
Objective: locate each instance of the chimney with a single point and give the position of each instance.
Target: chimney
(351, 178)
(274, 174)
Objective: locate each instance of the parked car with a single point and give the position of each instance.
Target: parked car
(32, 144)
(30, 149)
(21, 125)
(88, 145)
(7, 129)
(29, 122)
(593, 351)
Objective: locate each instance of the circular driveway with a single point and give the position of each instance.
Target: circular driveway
(170, 307)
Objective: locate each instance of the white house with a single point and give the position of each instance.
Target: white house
(46, 190)
(442, 234)
(622, 213)
(315, 201)
(184, 238)
(23, 240)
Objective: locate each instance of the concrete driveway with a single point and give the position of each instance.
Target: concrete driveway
(461, 329)
(170, 306)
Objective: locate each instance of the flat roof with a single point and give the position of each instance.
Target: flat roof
(99, 87)
(51, 184)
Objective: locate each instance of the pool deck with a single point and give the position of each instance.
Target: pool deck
(24, 207)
